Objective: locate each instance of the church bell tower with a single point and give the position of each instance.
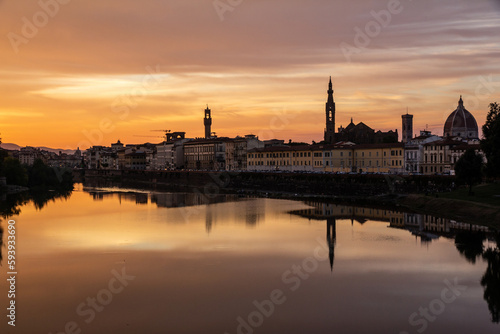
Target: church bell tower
(330, 116)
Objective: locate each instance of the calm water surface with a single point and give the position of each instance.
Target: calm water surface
(104, 261)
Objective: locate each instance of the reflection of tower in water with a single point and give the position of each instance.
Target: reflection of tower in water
(253, 213)
(209, 215)
(331, 236)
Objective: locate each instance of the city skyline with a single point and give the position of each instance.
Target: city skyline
(72, 70)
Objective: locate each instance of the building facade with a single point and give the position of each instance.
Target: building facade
(372, 158)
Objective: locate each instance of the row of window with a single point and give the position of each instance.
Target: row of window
(361, 163)
(317, 154)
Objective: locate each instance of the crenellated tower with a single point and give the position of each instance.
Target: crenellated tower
(208, 122)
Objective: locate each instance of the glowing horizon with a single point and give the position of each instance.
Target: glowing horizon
(92, 73)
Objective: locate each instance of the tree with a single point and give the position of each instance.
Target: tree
(490, 144)
(468, 168)
(491, 282)
(14, 172)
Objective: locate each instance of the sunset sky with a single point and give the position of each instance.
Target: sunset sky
(88, 72)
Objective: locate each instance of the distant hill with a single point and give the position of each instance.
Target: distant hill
(15, 147)
(9, 146)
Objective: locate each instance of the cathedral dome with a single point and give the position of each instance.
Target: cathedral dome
(461, 123)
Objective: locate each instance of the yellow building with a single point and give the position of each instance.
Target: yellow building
(379, 158)
(333, 158)
(375, 158)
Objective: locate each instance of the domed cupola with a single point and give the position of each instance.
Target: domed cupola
(461, 123)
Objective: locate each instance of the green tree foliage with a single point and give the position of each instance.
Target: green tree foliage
(469, 168)
(14, 172)
(41, 176)
(490, 144)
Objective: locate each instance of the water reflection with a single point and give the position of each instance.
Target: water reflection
(425, 227)
(470, 244)
(190, 252)
(1, 244)
(189, 203)
(11, 204)
(331, 236)
(469, 239)
(491, 280)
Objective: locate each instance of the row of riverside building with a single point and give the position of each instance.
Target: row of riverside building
(354, 148)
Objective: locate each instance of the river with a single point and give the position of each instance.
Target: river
(108, 260)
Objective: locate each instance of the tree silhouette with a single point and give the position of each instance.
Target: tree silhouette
(491, 282)
(470, 244)
(491, 142)
(468, 168)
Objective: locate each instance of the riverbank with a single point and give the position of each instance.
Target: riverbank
(460, 210)
(404, 193)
